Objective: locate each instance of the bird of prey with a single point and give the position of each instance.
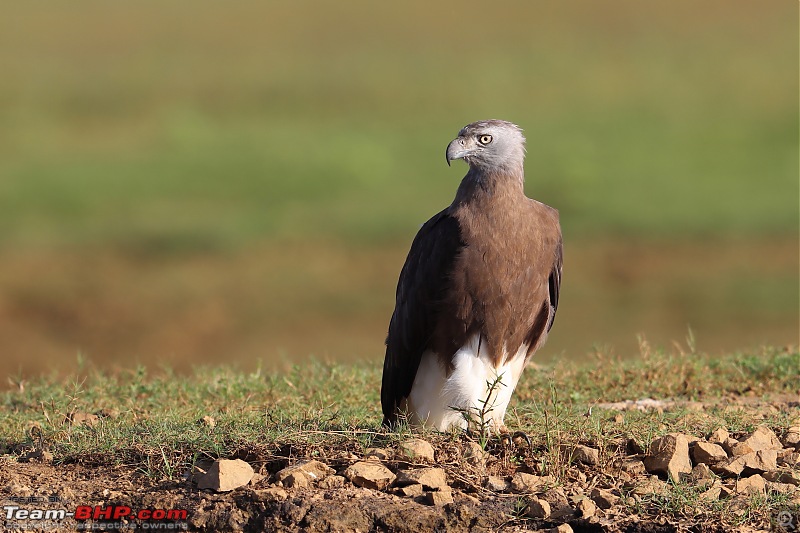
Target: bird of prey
(478, 292)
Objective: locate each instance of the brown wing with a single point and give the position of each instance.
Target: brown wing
(421, 290)
(546, 314)
(554, 281)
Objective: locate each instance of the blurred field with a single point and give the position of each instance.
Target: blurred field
(204, 182)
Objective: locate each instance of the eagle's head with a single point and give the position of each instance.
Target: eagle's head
(489, 146)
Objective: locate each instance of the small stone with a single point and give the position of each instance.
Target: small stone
(669, 455)
(226, 475)
(369, 474)
(208, 421)
(708, 453)
(430, 478)
(526, 483)
(108, 412)
(438, 497)
(781, 488)
(583, 454)
(586, 507)
(474, 454)
(750, 463)
(761, 439)
(712, 492)
(304, 474)
(604, 498)
(652, 485)
(538, 509)
(559, 505)
(332, 482)
(719, 436)
(754, 484)
(792, 438)
(272, 494)
(700, 473)
(788, 458)
(562, 528)
(496, 484)
(791, 477)
(37, 456)
(729, 445)
(410, 491)
(632, 466)
(381, 454)
(416, 451)
(82, 419)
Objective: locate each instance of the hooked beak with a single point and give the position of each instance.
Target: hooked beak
(457, 149)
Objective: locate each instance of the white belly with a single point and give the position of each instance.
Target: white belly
(434, 395)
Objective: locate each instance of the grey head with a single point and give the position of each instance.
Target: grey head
(489, 146)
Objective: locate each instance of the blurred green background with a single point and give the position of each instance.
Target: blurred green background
(203, 182)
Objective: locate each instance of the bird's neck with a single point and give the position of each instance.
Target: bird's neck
(480, 185)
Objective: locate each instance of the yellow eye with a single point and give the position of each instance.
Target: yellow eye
(485, 139)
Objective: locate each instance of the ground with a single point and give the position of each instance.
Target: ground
(588, 465)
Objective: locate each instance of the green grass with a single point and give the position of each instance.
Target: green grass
(156, 416)
(153, 424)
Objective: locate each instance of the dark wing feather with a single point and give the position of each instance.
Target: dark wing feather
(554, 282)
(422, 287)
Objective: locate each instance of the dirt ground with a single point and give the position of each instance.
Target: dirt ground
(485, 492)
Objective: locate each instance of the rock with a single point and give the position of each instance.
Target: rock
(700, 473)
(754, 462)
(83, 419)
(605, 499)
(382, 454)
(790, 459)
(559, 505)
(497, 484)
(304, 474)
(410, 491)
(719, 436)
(586, 507)
(108, 412)
(226, 475)
(781, 488)
(207, 421)
(439, 497)
(729, 444)
(632, 466)
(369, 474)
(538, 509)
(562, 528)
(332, 482)
(416, 451)
(429, 478)
(474, 454)
(792, 438)
(272, 494)
(761, 439)
(754, 484)
(37, 456)
(791, 477)
(713, 492)
(708, 453)
(652, 485)
(583, 454)
(528, 483)
(669, 455)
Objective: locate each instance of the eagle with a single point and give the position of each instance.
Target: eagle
(477, 294)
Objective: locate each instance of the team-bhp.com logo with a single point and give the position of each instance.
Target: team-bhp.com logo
(93, 518)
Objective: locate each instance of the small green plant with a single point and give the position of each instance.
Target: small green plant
(478, 417)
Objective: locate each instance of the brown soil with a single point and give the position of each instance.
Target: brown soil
(338, 504)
